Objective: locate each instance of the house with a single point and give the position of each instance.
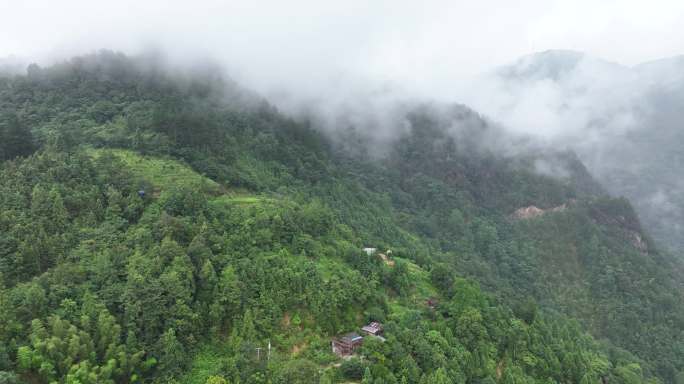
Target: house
(370, 251)
(347, 344)
(373, 329)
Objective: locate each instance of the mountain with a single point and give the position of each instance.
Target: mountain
(555, 65)
(623, 122)
(168, 226)
(663, 70)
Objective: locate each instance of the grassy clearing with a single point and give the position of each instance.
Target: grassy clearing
(161, 173)
(238, 199)
(164, 174)
(421, 292)
(421, 279)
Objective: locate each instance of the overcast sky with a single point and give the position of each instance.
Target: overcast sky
(411, 42)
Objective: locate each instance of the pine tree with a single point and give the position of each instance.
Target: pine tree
(439, 377)
(216, 380)
(15, 138)
(367, 377)
(171, 352)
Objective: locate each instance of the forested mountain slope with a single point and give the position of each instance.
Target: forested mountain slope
(160, 226)
(624, 122)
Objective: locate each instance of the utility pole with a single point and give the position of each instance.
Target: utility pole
(268, 357)
(268, 354)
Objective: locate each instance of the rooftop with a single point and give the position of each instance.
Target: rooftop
(352, 336)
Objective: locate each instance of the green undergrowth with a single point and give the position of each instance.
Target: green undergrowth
(162, 173)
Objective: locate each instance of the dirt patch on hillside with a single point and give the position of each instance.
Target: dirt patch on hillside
(533, 211)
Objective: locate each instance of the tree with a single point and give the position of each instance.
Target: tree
(48, 207)
(8, 378)
(399, 277)
(171, 353)
(15, 138)
(442, 277)
(352, 369)
(367, 377)
(102, 111)
(247, 330)
(456, 223)
(439, 377)
(5, 363)
(216, 380)
(226, 300)
(629, 374)
(298, 371)
(526, 310)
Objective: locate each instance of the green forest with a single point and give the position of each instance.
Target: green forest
(167, 226)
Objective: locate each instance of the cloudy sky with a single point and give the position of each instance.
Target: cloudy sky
(418, 44)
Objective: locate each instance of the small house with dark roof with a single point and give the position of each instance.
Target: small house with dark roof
(346, 345)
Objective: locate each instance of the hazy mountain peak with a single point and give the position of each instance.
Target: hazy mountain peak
(667, 69)
(556, 65)
(677, 60)
(547, 64)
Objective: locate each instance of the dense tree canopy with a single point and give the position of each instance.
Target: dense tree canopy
(163, 227)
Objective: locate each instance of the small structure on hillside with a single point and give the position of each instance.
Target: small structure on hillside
(373, 329)
(141, 193)
(347, 344)
(369, 251)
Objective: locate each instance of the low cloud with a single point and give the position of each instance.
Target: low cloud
(362, 65)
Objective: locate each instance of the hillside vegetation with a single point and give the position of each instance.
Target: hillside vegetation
(624, 122)
(251, 232)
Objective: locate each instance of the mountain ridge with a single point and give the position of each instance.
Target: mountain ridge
(623, 122)
(258, 241)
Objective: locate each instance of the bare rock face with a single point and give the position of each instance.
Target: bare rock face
(533, 211)
(528, 212)
(639, 243)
